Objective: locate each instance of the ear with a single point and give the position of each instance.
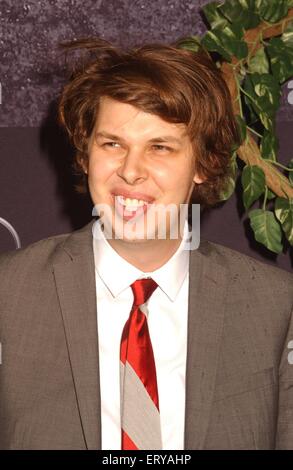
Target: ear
(197, 179)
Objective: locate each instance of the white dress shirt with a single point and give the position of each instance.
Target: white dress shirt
(167, 321)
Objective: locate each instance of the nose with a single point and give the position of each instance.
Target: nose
(133, 167)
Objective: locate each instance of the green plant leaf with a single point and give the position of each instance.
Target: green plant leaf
(264, 94)
(231, 181)
(267, 90)
(191, 43)
(267, 121)
(229, 189)
(290, 3)
(259, 62)
(253, 116)
(269, 146)
(270, 194)
(212, 42)
(287, 36)
(240, 11)
(284, 213)
(242, 127)
(227, 41)
(272, 10)
(266, 229)
(253, 183)
(232, 37)
(213, 15)
(281, 59)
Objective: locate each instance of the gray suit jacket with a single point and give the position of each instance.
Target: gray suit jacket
(238, 330)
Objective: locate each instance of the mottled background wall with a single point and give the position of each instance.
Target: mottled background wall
(37, 196)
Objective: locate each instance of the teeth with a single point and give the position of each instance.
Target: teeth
(131, 204)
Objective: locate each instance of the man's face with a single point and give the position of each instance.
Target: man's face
(136, 161)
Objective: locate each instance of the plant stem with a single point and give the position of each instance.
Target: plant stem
(278, 164)
(239, 94)
(270, 25)
(249, 152)
(256, 133)
(265, 199)
(248, 96)
(252, 50)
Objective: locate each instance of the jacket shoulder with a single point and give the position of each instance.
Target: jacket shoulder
(30, 260)
(259, 296)
(247, 270)
(39, 248)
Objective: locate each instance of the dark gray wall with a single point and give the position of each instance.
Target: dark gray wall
(36, 194)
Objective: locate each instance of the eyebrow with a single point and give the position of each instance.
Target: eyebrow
(165, 138)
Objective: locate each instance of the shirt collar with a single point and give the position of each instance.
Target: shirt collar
(169, 277)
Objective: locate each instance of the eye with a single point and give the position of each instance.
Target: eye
(162, 148)
(111, 145)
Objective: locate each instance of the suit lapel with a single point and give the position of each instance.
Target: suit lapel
(75, 280)
(208, 284)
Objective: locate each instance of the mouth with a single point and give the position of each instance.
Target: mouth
(128, 208)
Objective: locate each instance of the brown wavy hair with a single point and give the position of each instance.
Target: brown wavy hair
(177, 85)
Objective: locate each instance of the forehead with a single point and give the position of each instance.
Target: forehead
(123, 118)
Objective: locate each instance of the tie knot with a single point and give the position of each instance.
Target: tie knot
(142, 290)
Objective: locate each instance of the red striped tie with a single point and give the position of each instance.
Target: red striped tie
(140, 419)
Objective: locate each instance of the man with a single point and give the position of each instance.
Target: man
(134, 341)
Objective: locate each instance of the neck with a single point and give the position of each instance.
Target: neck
(147, 255)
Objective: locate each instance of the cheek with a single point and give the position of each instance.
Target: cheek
(174, 177)
(99, 169)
